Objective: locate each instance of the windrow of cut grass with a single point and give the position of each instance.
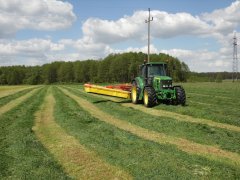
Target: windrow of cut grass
(77, 161)
(9, 90)
(163, 113)
(6, 99)
(211, 152)
(142, 158)
(22, 156)
(180, 117)
(216, 101)
(215, 90)
(179, 127)
(199, 109)
(10, 105)
(206, 107)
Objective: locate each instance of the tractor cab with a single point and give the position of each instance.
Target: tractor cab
(153, 69)
(155, 73)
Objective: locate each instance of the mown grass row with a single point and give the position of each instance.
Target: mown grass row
(77, 161)
(208, 107)
(143, 159)
(220, 109)
(4, 100)
(204, 104)
(22, 155)
(200, 133)
(194, 109)
(225, 89)
(9, 90)
(214, 101)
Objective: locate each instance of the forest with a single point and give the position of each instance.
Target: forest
(114, 68)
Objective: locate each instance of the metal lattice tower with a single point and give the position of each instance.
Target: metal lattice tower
(235, 59)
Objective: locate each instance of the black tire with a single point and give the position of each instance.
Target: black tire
(149, 97)
(134, 93)
(181, 96)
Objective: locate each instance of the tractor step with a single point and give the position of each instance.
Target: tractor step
(121, 90)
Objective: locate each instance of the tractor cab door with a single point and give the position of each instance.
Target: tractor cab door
(143, 71)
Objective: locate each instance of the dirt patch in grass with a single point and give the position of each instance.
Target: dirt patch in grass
(211, 152)
(180, 117)
(16, 102)
(77, 161)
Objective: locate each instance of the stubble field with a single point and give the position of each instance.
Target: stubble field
(61, 132)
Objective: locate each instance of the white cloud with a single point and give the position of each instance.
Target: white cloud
(100, 35)
(224, 20)
(216, 24)
(165, 25)
(16, 15)
(202, 60)
(39, 51)
(28, 52)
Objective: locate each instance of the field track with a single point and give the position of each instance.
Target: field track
(183, 144)
(77, 161)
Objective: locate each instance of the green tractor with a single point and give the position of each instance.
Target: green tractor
(153, 86)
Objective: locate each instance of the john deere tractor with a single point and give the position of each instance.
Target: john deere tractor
(154, 86)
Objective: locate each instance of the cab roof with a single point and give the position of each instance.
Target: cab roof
(155, 63)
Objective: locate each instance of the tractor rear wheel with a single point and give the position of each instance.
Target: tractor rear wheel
(134, 93)
(181, 96)
(149, 97)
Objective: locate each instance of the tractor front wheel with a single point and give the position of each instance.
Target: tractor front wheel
(180, 95)
(149, 97)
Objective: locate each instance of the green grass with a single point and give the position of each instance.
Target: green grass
(22, 155)
(226, 139)
(220, 102)
(142, 159)
(6, 99)
(225, 89)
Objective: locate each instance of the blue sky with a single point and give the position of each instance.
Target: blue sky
(197, 32)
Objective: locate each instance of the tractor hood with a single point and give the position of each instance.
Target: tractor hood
(162, 78)
(162, 82)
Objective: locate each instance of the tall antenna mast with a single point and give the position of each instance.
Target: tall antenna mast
(235, 59)
(148, 21)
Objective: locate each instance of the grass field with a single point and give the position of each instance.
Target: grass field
(61, 132)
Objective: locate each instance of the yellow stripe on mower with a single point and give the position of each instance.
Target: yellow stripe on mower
(107, 91)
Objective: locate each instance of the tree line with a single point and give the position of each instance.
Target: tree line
(210, 76)
(114, 68)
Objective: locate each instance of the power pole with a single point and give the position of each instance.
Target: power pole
(235, 59)
(148, 21)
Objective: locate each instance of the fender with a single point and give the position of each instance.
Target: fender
(140, 87)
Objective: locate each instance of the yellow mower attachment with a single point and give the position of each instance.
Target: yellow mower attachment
(108, 90)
